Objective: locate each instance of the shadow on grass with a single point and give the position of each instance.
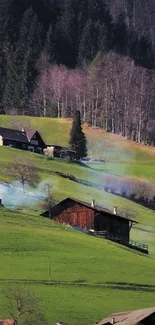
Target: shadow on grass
(124, 286)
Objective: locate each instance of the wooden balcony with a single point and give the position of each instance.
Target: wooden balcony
(131, 244)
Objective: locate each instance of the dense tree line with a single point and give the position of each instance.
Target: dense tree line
(139, 16)
(112, 93)
(94, 56)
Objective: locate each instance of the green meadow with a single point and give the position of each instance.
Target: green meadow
(122, 157)
(90, 277)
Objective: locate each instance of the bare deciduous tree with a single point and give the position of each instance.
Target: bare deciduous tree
(23, 306)
(49, 201)
(112, 93)
(24, 171)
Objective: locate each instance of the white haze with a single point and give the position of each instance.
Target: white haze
(13, 196)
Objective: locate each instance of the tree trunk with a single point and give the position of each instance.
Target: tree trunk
(58, 106)
(44, 104)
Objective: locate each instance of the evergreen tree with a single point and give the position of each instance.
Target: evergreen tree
(86, 45)
(67, 34)
(49, 47)
(21, 70)
(78, 140)
(144, 54)
(120, 43)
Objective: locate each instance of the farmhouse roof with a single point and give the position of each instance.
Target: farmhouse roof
(7, 322)
(95, 208)
(15, 135)
(128, 318)
(30, 134)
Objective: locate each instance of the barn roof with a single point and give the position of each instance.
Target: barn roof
(15, 135)
(129, 317)
(95, 208)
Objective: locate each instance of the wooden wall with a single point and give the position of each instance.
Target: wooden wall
(114, 225)
(1, 141)
(150, 320)
(77, 215)
(37, 141)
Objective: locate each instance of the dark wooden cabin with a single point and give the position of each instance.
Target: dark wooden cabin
(13, 138)
(89, 216)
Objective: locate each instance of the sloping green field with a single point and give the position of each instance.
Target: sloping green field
(90, 277)
(123, 157)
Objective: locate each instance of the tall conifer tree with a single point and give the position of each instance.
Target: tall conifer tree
(78, 140)
(49, 47)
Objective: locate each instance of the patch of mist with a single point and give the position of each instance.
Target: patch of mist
(110, 161)
(13, 196)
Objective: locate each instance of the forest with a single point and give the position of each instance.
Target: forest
(96, 56)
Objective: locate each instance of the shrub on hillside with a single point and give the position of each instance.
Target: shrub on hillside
(134, 189)
(145, 191)
(111, 183)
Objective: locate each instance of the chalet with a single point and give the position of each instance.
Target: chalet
(33, 141)
(136, 317)
(22, 139)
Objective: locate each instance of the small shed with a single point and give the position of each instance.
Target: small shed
(60, 152)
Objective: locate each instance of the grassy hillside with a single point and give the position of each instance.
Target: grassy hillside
(124, 157)
(89, 277)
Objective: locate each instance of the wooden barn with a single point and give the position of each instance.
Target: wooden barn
(89, 216)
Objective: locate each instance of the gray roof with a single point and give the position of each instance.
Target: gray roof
(15, 135)
(101, 209)
(129, 317)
